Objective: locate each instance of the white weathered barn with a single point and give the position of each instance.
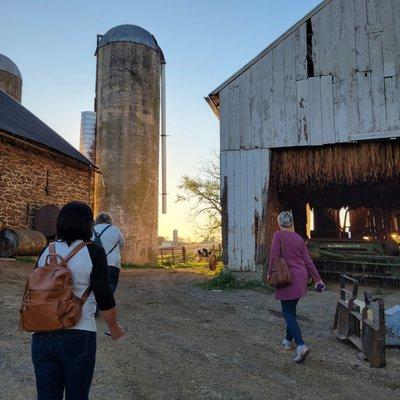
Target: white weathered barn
(331, 79)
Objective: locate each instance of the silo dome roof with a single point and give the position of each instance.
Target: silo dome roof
(9, 66)
(133, 34)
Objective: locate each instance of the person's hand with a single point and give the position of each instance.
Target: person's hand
(117, 332)
(320, 286)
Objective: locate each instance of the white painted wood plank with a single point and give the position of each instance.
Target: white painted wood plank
(251, 165)
(237, 216)
(392, 94)
(362, 50)
(279, 100)
(290, 91)
(373, 11)
(373, 135)
(256, 105)
(349, 61)
(244, 110)
(388, 39)
(314, 93)
(316, 43)
(301, 52)
(328, 124)
(377, 83)
(243, 209)
(234, 131)
(224, 119)
(267, 100)
(231, 208)
(396, 28)
(364, 101)
(340, 93)
(223, 162)
(325, 45)
(303, 116)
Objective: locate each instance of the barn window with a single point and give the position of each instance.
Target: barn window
(310, 62)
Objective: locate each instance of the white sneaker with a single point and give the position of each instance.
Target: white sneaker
(301, 353)
(287, 345)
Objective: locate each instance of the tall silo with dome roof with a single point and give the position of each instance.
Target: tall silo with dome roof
(10, 78)
(129, 76)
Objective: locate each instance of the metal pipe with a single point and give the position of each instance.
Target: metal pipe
(163, 143)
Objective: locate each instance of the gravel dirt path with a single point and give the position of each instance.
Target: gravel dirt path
(186, 343)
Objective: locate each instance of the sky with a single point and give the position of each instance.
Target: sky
(204, 42)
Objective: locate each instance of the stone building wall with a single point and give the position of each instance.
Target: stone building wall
(31, 176)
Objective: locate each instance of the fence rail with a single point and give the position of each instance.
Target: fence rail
(173, 254)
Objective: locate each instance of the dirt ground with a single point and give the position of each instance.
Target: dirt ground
(186, 343)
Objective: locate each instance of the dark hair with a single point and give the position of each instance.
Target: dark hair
(75, 222)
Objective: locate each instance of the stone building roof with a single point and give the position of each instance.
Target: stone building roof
(20, 122)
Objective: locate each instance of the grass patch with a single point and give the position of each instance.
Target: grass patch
(187, 264)
(134, 266)
(225, 280)
(26, 259)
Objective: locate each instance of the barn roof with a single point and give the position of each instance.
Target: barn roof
(213, 98)
(20, 122)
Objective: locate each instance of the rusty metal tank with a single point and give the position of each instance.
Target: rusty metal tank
(10, 78)
(21, 242)
(129, 65)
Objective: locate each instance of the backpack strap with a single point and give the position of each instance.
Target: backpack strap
(54, 257)
(85, 295)
(109, 252)
(74, 251)
(99, 234)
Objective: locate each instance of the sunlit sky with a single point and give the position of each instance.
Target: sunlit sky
(204, 42)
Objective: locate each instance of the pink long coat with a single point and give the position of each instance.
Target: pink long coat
(299, 262)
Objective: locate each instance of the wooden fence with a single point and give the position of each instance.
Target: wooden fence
(174, 254)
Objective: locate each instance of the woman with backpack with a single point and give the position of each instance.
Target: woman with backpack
(64, 359)
(289, 271)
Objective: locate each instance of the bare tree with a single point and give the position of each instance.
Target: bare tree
(203, 191)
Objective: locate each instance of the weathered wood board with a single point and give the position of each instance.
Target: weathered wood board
(354, 53)
(244, 170)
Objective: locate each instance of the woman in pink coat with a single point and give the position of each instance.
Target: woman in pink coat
(288, 244)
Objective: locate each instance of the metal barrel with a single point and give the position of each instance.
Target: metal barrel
(21, 242)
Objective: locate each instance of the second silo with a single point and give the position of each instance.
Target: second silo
(129, 65)
(10, 78)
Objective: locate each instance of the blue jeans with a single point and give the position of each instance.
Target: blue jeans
(292, 326)
(113, 277)
(64, 360)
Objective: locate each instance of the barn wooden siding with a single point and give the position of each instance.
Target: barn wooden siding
(335, 78)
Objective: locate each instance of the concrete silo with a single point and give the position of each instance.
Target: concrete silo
(10, 78)
(130, 67)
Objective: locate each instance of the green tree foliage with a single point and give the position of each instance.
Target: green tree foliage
(203, 191)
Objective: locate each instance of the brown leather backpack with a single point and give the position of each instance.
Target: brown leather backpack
(48, 303)
(280, 276)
